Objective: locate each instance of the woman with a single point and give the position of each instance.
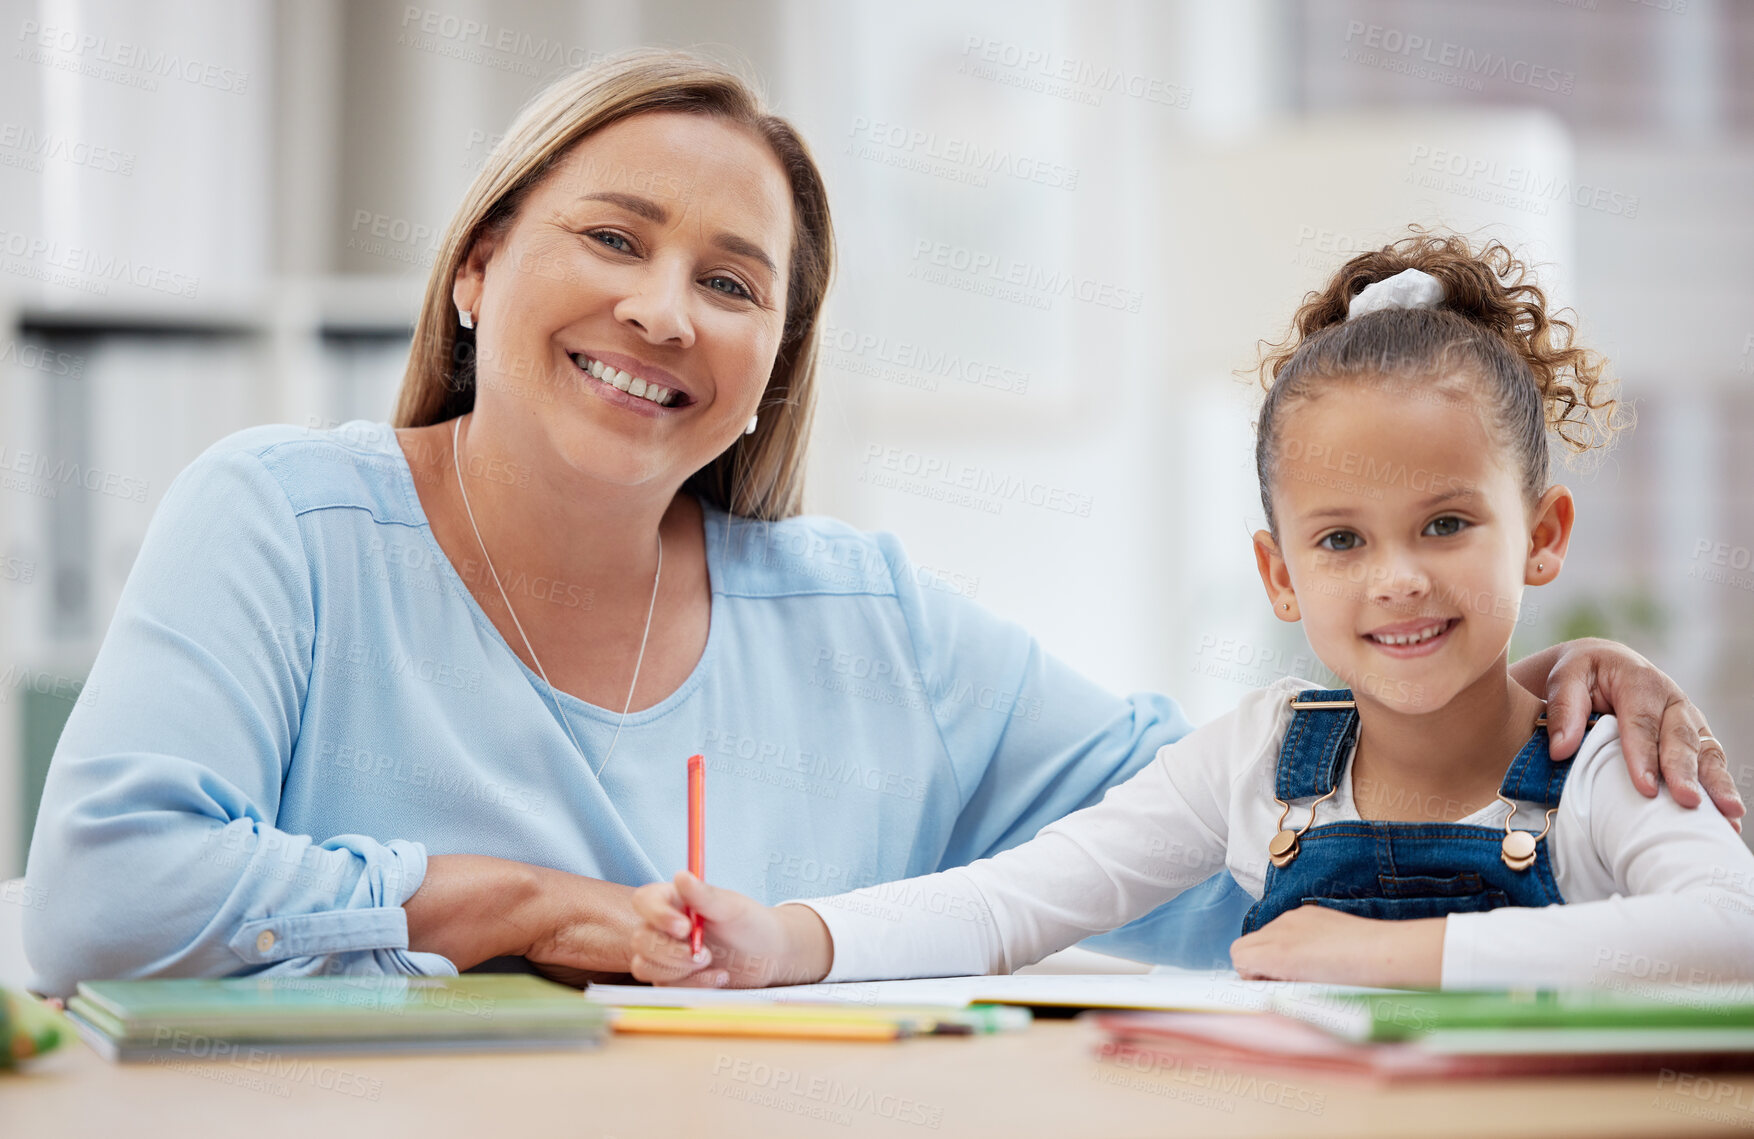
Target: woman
(406, 701)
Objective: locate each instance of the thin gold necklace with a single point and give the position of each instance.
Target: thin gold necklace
(457, 461)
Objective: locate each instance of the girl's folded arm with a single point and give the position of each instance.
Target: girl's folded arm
(1661, 895)
(1149, 838)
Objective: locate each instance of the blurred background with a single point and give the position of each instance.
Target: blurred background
(1063, 228)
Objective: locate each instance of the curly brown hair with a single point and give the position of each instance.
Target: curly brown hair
(1493, 331)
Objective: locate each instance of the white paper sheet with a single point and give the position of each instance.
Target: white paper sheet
(1174, 990)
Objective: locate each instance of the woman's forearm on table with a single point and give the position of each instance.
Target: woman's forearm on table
(470, 908)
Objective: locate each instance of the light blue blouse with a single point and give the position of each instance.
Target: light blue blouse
(298, 701)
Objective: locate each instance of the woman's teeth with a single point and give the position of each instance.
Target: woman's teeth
(626, 381)
(1410, 638)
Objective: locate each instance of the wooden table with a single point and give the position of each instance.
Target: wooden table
(1047, 1081)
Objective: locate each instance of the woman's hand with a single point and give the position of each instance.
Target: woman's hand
(1315, 943)
(578, 928)
(744, 945)
(1660, 729)
(470, 908)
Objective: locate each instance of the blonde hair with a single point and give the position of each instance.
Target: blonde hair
(758, 476)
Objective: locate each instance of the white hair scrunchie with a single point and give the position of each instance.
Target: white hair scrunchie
(1410, 288)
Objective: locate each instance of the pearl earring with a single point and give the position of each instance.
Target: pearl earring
(1286, 607)
(466, 318)
(1539, 567)
(750, 430)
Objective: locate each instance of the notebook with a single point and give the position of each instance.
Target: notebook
(1433, 1035)
(200, 1019)
(1167, 1041)
(1721, 1012)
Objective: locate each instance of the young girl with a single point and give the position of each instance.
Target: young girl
(1408, 831)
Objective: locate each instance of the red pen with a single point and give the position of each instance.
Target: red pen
(696, 833)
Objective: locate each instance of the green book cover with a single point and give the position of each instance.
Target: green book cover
(475, 1006)
(1412, 1015)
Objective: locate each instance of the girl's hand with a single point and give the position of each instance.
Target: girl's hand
(1315, 943)
(744, 945)
(1660, 729)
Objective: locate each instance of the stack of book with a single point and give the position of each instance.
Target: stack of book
(1428, 1035)
(216, 1019)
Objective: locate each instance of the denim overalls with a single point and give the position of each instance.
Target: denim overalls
(1398, 870)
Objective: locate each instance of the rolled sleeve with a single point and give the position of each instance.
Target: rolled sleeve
(393, 872)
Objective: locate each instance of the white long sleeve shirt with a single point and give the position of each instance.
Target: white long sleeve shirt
(1655, 892)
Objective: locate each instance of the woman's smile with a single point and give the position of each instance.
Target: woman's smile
(639, 382)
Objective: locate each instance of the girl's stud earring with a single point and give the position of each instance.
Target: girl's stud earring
(1539, 567)
(465, 318)
(1286, 607)
(750, 430)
